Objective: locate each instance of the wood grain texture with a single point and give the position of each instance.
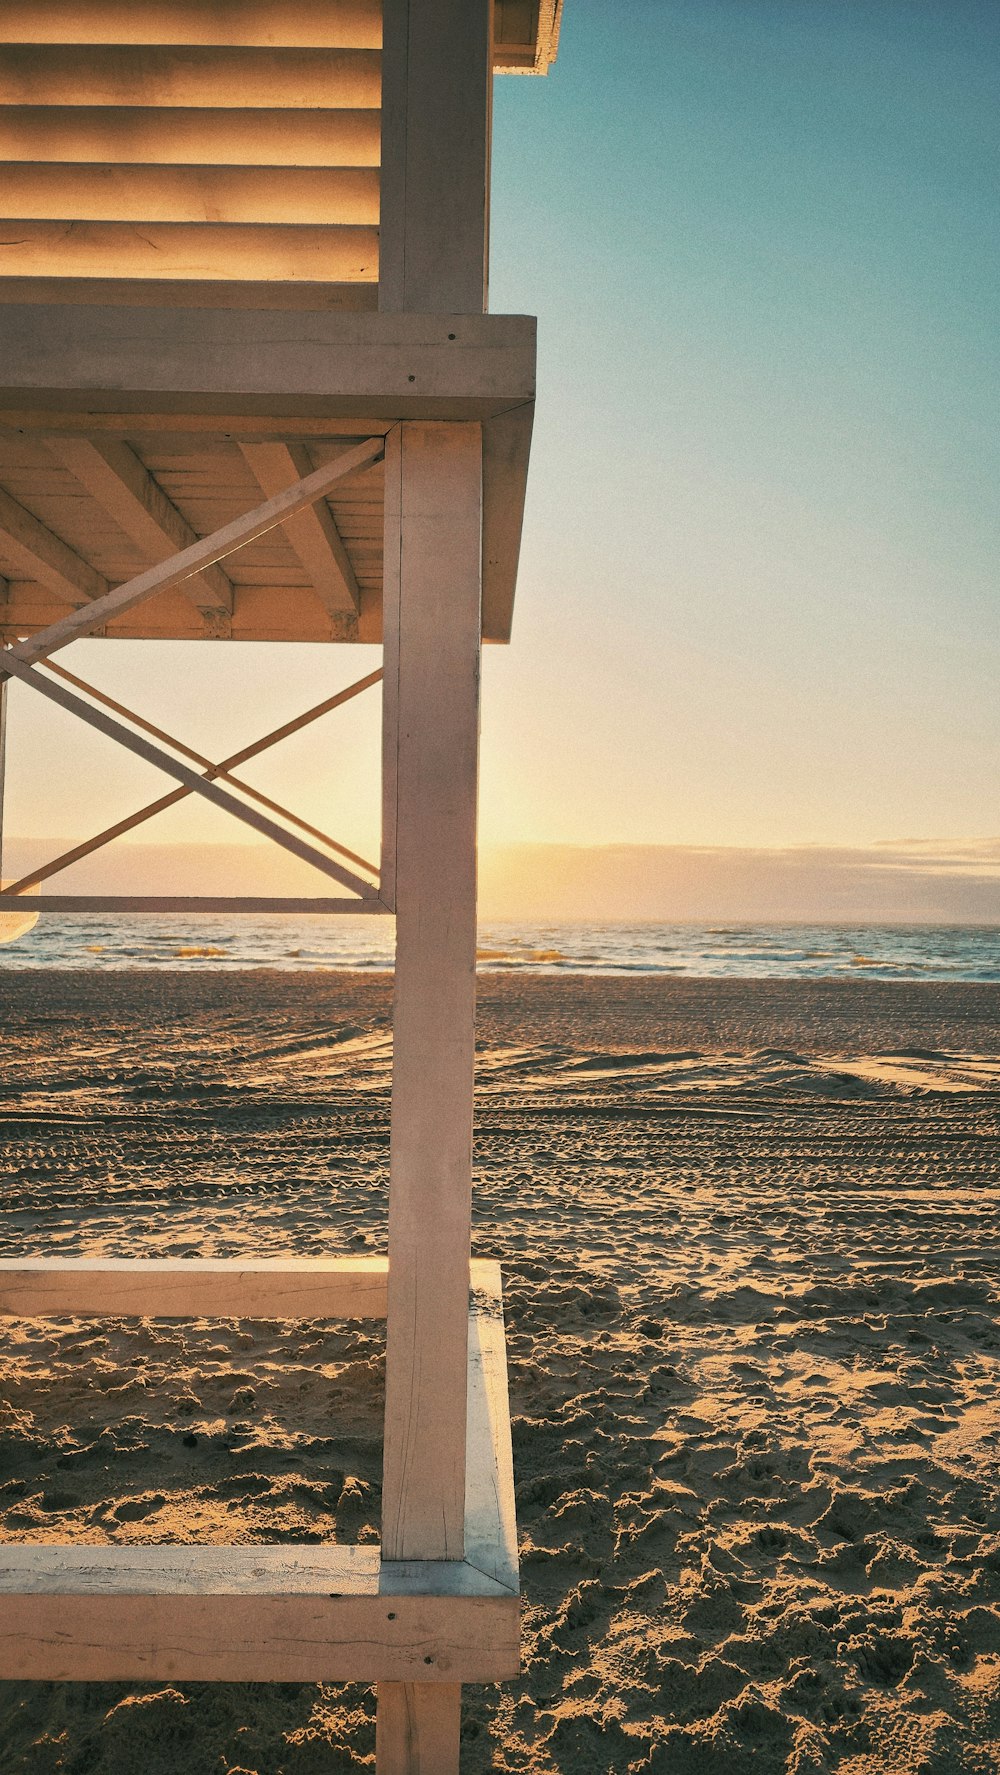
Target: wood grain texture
(113, 475)
(44, 556)
(312, 533)
(220, 251)
(106, 192)
(418, 1728)
(247, 1614)
(436, 127)
(128, 73)
(309, 24)
(130, 133)
(433, 574)
(194, 1288)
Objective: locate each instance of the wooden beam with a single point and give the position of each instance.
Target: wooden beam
(245, 1614)
(490, 1514)
(313, 533)
(189, 249)
(114, 476)
(194, 1288)
(436, 123)
(191, 560)
(106, 192)
(506, 447)
(176, 135)
(45, 557)
(295, 24)
(432, 596)
(196, 903)
(127, 73)
(418, 1727)
(331, 366)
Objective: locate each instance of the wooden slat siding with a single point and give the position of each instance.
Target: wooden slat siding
(117, 480)
(305, 24)
(313, 534)
(436, 125)
(418, 1728)
(44, 556)
(103, 192)
(220, 78)
(189, 249)
(437, 556)
(245, 137)
(247, 1614)
(194, 1288)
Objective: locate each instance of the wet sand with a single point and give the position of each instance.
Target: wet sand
(750, 1240)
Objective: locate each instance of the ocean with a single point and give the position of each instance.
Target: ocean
(751, 951)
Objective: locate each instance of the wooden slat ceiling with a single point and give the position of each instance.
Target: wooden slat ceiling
(204, 140)
(74, 519)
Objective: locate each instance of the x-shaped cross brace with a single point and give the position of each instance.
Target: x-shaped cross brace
(21, 662)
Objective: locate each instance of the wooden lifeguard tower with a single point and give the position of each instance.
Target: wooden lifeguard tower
(244, 340)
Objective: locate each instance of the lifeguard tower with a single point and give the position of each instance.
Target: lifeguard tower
(249, 390)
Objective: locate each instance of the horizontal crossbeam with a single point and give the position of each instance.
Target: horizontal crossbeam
(287, 904)
(269, 1614)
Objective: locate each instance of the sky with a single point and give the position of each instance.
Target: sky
(757, 604)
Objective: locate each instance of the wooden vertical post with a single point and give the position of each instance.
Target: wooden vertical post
(437, 86)
(3, 758)
(433, 579)
(417, 1730)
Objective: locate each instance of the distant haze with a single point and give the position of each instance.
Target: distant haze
(889, 883)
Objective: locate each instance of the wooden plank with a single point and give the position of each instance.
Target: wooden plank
(436, 124)
(418, 1728)
(102, 192)
(87, 903)
(127, 73)
(195, 1288)
(490, 1515)
(313, 533)
(194, 559)
(238, 1614)
(332, 367)
(506, 447)
(433, 574)
(190, 249)
(44, 556)
(114, 476)
(133, 134)
(305, 24)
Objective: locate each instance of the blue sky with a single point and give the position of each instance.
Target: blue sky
(759, 588)
(758, 602)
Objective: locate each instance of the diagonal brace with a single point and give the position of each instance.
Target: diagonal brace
(78, 852)
(173, 768)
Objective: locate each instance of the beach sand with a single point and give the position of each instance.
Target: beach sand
(749, 1234)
